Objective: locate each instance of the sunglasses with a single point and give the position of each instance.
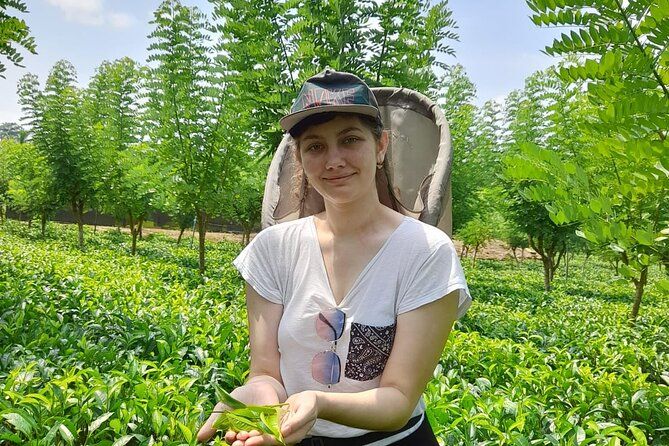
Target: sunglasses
(326, 366)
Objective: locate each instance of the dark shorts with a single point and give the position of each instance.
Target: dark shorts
(423, 436)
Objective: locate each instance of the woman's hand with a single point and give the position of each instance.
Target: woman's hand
(296, 423)
(257, 393)
(301, 415)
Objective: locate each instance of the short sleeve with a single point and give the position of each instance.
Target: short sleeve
(257, 264)
(440, 274)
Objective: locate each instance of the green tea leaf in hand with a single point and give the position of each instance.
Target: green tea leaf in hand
(227, 399)
(264, 419)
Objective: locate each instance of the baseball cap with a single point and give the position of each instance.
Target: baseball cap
(331, 91)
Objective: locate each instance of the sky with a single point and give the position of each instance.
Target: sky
(499, 46)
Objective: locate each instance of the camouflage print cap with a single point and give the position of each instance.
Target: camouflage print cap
(331, 91)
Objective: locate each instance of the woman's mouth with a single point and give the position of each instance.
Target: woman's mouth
(339, 178)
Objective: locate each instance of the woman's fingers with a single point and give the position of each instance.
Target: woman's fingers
(261, 440)
(230, 437)
(207, 430)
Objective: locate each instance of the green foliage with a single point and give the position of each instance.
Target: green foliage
(14, 31)
(30, 187)
(62, 134)
(269, 48)
(620, 192)
(546, 113)
(191, 114)
(12, 130)
(475, 234)
(243, 203)
(131, 173)
(456, 97)
(104, 346)
(527, 367)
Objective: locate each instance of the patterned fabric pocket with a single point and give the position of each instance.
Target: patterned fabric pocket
(368, 351)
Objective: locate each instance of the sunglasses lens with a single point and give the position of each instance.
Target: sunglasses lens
(326, 368)
(330, 324)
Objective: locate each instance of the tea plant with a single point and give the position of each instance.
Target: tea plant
(104, 348)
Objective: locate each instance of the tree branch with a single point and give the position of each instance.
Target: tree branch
(641, 47)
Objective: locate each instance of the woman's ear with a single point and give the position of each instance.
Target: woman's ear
(382, 146)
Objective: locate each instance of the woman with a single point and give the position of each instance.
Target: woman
(349, 309)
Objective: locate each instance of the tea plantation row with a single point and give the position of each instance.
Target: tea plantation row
(103, 348)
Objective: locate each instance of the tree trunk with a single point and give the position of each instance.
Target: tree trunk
(202, 233)
(247, 237)
(548, 272)
(566, 264)
(476, 250)
(133, 233)
(43, 223)
(78, 208)
(515, 257)
(141, 224)
(30, 222)
(638, 292)
(95, 222)
(181, 233)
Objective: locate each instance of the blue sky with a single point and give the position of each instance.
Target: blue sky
(499, 46)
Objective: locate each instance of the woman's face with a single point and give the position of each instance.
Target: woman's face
(339, 158)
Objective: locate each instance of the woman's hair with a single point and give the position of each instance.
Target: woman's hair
(384, 185)
(373, 124)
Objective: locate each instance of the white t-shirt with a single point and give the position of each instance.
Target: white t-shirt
(416, 265)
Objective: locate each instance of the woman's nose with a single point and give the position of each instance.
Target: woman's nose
(334, 157)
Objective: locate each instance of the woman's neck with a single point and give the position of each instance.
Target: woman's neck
(355, 218)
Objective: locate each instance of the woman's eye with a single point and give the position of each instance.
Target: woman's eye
(314, 147)
(351, 140)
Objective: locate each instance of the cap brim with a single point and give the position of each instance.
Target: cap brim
(289, 121)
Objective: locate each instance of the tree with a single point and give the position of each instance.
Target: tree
(12, 130)
(621, 52)
(31, 183)
(269, 48)
(244, 201)
(137, 186)
(14, 32)
(127, 184)
(475, 234)
(62, 134)
(192, 112)
(468, 173)
(543, 115)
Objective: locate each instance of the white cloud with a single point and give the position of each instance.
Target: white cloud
(92, 13)
(120, 20)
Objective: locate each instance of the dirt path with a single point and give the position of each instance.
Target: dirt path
(495, 250)
(211, 236)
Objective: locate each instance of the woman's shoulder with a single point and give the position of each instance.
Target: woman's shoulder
(424, 234)
(284, 231)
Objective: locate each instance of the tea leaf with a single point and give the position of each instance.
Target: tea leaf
(98, 421)
(19, 422)
(227, 399)
(123, 440)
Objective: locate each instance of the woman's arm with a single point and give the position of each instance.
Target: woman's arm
(264, 385)
(419, 342)
(264, 317)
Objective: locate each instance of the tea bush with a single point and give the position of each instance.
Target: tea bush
(104, 348)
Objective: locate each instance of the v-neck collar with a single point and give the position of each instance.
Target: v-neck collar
(362, 273)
